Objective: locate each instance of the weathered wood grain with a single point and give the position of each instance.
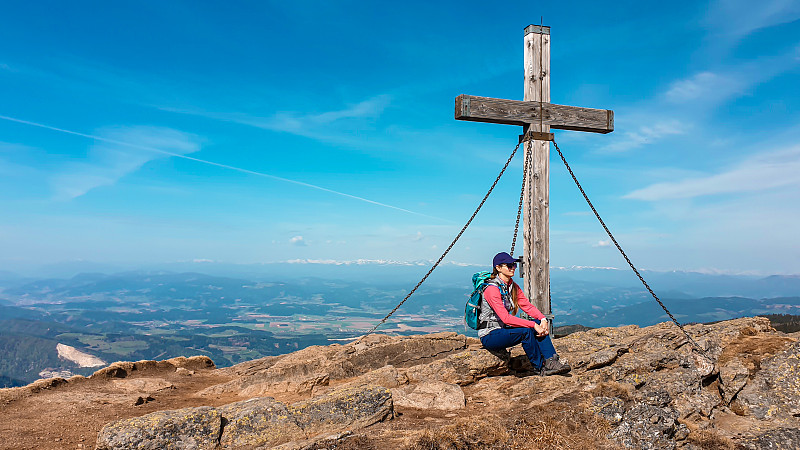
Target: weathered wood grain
(536, 203)
(515, 112)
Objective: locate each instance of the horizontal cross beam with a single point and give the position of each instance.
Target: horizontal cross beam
(515, 112)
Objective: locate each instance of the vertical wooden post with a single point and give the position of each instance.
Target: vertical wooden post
(536, 267)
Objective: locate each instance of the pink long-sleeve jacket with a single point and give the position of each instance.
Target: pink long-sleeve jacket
(492, 296)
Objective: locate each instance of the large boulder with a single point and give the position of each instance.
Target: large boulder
(388, 377)
(343, 409)
(430, 395)
(258, 422)
(461, 368)
(775, 390)
(376, 351)
(303, 371)
(122, 369)
(196, 428)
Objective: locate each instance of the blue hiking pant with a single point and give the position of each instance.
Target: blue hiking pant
(536, 348)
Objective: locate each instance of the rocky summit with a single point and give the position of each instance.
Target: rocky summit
(630, 387)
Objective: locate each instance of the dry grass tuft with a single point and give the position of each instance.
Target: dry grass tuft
(709, 440)
(748, 331)
(752, 349)
(357, 442)
(540, 427)
(613, 389)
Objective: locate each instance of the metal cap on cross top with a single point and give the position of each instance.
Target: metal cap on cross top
(538, 29)
(537, 116)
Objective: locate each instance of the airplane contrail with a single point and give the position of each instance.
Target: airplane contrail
(212, 163)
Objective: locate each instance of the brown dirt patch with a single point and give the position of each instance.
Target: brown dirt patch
(70, 415)
(751, 350)
(554, 426)
(562, 423)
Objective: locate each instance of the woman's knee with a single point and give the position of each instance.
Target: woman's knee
(529, 334)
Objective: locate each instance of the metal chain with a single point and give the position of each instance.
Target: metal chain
(449, 247)
(529, 221)
(575, 179)
(525, 165)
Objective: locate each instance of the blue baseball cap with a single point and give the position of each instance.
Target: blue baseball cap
(504, 258)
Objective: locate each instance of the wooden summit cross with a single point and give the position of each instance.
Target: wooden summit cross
(537, 116)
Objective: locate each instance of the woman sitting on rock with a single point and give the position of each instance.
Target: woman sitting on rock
(500, 328)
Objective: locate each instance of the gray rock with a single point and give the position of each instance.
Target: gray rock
(388, 377)
(609, 408)
(430, 395)
(778, 439)
(344, 409)
(697, 403)
(775, 390)
(188, 428)
(704, 366)
(461, 368)
(733, 377)
(258, 422)
(656, 397)
(604, 358)
(647, 427)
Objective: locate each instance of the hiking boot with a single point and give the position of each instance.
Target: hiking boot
(554, 366)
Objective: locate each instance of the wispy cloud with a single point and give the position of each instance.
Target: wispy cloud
(686, 102)
(708, 86)
(647, 134)
(317, 125)
(224, 166)
(758, 173)
(108, 162)
(739, 18)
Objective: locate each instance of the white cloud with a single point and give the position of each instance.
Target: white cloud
(122, 151)
(606, 243)
(739, 18)
(646, 134)
(706, 86)
(318, 126)
(687, 102)
(309, 124)
(761, 172)
(298, 240)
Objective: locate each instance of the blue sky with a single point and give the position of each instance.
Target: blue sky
(143, 132)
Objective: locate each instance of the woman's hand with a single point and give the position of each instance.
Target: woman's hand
(545, 324)
(540, 330)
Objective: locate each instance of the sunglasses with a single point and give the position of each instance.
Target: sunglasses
(511, 265)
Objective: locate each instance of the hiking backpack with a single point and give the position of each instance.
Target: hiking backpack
(472, 311)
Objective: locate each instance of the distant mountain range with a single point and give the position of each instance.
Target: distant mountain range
(268, 309)
(694, 284)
